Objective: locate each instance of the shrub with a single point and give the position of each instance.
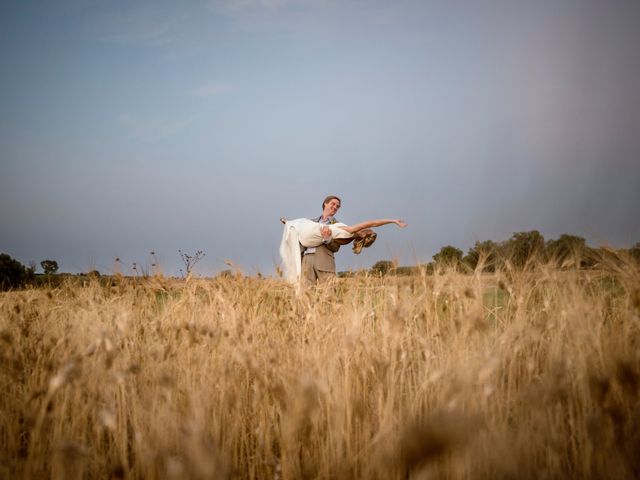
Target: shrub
(12, 273)
(382, 267)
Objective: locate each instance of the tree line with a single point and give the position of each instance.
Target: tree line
(14, 274)
(520, 250)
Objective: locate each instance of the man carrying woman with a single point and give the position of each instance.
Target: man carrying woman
(308, 245)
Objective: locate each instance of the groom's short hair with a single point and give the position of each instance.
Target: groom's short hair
(329, 198)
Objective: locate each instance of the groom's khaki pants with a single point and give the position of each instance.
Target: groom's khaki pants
(311, 274)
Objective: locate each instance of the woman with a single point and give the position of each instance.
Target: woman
(307, 233)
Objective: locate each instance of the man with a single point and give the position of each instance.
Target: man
(318, 263)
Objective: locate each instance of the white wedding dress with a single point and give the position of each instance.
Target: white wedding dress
(305, 232)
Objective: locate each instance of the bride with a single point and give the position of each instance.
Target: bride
(306, 232)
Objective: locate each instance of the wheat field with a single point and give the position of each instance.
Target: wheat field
(514, 374)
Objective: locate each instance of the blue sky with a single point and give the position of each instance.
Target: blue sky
(127, 127)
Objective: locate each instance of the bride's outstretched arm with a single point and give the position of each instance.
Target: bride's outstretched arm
(374, 223)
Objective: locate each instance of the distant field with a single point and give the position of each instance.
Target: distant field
(530, 374)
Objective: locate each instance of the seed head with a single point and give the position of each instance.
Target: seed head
(64, 375)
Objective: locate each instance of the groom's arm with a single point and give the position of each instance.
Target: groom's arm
(327, 241)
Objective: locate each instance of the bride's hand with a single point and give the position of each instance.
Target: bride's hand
(401, 223)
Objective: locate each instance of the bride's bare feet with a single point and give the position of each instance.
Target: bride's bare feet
(283, 220)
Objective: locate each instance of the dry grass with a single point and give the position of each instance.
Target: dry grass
(511, 375)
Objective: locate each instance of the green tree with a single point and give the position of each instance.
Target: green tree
(488, 251)
(12, 273)
(49, 266)
(382, 267)
(524, 246)
(448, 256)
(566, 249)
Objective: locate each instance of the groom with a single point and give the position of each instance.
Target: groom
(318, 263)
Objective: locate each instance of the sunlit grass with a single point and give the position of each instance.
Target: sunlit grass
(513, 374)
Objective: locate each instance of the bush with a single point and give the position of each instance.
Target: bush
(382, 267)
(12, 273)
